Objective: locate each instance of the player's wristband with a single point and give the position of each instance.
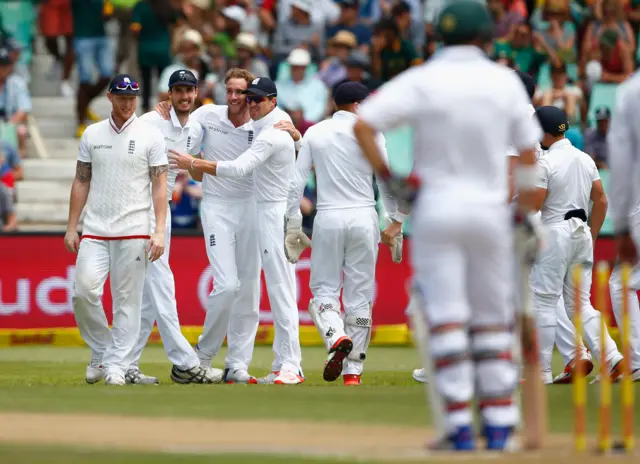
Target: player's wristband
(298, 144)
(526, 177)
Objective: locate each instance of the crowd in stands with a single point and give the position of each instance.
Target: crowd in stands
(578, 50)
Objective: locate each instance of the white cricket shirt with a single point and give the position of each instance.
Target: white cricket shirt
(567, 174)
(223, 142)
(120, 194)
(187, 139)
(271, 159)
(623, 141)
(465, 112)
(512, 151)
(344, 178)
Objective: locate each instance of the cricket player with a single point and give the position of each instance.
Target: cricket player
(462, 242)
(346, 233)
(159, 298)
(568, 180)
(270, 162)
(121, 172)
(624, 165)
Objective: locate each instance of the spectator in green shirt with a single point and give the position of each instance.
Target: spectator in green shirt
(122, 10)
(390, 54)
(93, 49)
(151, 21)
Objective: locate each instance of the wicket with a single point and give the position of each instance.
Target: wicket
(605, 440)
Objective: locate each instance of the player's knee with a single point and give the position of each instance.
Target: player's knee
(492, 353)
(449, 345)
(87, 288)
(229, 284)
(544, 308)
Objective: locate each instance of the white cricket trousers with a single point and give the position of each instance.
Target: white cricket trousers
(159, 306)
(125, 262)
(231, 241)
(280, 278)
(569, 243)
(343, 258)
(462, 256)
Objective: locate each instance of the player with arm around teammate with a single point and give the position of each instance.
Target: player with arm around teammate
(159, 299)
(121, 172)
(346, 233)
(270, 160)
(462, 253)
(568, 180)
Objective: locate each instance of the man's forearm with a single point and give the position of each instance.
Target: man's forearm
(598, 214)
(18, 118)
(79, 195)
(207, 167)
(160, 201)
(366, 137)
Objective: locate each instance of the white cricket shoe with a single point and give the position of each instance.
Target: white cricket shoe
(94, 372)
(419, 375)
(288, 377)
(114, 378)
(197, 374)
(239, 376)
(269, 379)
(135, 377)
(547, 377)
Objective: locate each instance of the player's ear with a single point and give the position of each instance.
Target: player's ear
(109, 97)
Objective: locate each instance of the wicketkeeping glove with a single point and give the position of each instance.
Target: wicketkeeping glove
(295, 240)
(396, 248)
(403, 189)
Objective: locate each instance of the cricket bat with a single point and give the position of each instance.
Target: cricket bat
(534, 395)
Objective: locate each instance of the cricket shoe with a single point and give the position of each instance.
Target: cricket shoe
(461, 439)
(197, 374)
(547, 377)
(114, 378)
(239, 376)
(288, 377)
(635, 375)
(615, 372)
(419, 375)
(269, 379)
(135, 377)
(338, 352)
(94, 372)
(352, 379)
(500, 438)
(566, 376)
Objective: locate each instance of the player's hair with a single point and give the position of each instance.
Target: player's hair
(238, 73)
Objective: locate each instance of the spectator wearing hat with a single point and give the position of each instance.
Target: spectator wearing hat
(233, 18)
(190, 55)
(595, 139)
(350, 21)
(309, 91)
(610, 62)
(15, 100)
(322, 12)
(357, 65)
(332, 69)
(246, 57)
(150, 24)
(299, 32)
(390, 54)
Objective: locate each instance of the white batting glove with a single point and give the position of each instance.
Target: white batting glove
(295, 240)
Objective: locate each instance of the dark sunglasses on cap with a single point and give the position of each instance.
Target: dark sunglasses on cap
(256, 98)
(124, 85)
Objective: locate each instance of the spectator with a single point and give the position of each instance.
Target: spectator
(612, 20)
(233, 18)
(92, 48)
(56, 21)
(595, 140)
(322, 12)
(390, 54)
(247, 46)
(527, 50)
(611, 62)
(10, 165)
(562, 95)
(15, 100)
(190, 55)
(297, 117)
(185, 202)
(298, 32)
(357, 70)
(553, 22)
(410, 30)
(150, 24)
(504, 20)
(308, 91)
(350, 21)
(333, 69)
(122, 11)
(8, 220)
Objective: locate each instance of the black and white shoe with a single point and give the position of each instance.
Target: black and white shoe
(135, 377)
(197, 374)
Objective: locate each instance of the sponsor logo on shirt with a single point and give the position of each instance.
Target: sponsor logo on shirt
(102, 147)
(217, 129)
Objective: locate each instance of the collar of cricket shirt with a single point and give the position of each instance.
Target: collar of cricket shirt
(175, 121)
(562, 143)
(126, 124)
(344, 115)
(460, 52)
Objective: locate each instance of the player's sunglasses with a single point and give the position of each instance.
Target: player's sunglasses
(122, 85)
(256, 98)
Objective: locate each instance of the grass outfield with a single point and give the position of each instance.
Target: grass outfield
(39, 380)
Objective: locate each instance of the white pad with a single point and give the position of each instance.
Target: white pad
(360, 344)
(325, 314)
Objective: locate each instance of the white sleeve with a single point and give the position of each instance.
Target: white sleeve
(525, 128)
(543, 174)
(394, 104)
(197, 134)
(595, 174)
(511, 151)
(389, 203)
(623, 152)
(84, 151)
(243, 165)
(157, 150)
(302, 169)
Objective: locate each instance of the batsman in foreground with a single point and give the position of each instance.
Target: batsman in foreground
(462, 254)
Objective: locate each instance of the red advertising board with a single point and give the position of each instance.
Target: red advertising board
(37, 275)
